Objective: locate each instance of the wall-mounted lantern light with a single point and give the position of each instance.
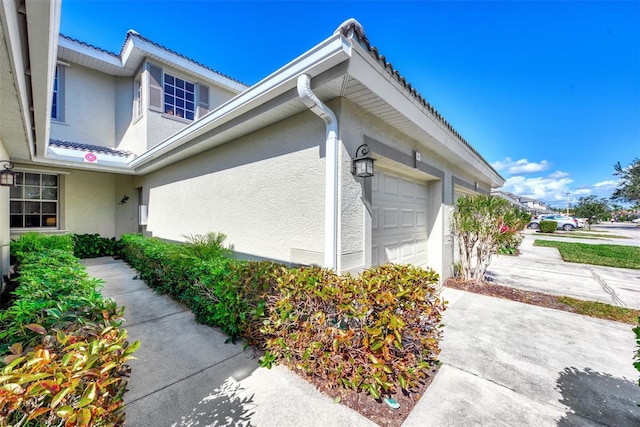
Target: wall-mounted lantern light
(362, 163)
(8, 178)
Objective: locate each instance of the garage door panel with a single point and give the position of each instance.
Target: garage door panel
(390, 185)
(399, 210)
(407, 218)
(390, 218)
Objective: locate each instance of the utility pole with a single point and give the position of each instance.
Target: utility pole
(568, 202)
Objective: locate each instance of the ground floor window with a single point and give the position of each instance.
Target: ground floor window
(34, 201)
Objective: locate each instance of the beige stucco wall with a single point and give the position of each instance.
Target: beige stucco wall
(125, 210)
(265, 191)
(89, 97)
(161, 126)
(5, 237)
(130, 132)
(89, 203)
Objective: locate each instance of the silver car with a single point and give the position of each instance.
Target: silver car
(566, 223)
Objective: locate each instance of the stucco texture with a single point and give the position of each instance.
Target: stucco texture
(89, 203)
(264, 191)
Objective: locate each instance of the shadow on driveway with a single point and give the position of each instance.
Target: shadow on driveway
(598, 397)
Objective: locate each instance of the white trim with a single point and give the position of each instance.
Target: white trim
(323, 57)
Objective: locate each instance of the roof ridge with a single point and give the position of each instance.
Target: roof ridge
(89, 45)
(352, 27)
(134, 33)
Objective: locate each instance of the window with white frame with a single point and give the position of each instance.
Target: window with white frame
(137, 98)
(55, 105)
(34, 201)
(179, 97)
(57, 102)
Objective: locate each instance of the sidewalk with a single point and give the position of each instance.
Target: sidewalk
(504, 364)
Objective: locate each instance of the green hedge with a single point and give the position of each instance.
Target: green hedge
(374, 332)
(548, 226)
(64, 351)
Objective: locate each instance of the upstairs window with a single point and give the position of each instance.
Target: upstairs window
(137, 98)
(57, 103)
(34, 201)
(179, 97)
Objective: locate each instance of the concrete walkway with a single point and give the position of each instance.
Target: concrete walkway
(504, 364)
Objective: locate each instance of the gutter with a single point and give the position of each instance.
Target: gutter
(331, 173)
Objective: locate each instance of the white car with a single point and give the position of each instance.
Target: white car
(636, 221)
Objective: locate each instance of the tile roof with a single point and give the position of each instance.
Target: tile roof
(89, 45)
(133, 33)
(89, 148)
(351, 26)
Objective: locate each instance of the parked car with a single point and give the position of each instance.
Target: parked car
(582, 222)
(566, 223)
(636, 221)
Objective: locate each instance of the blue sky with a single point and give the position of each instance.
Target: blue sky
(548, 92)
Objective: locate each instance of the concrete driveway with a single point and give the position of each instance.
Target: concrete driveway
(543, 270)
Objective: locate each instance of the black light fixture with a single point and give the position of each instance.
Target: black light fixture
(123, 200)
(8, 178)
(362, 163)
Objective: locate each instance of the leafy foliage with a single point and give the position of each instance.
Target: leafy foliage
(37, 242)
(548, 226)
(593, 208)
(481, 224)
(66, 350)
(75, 376)
(373, 332)
(629, 188)
(50, 282)
(93, 246)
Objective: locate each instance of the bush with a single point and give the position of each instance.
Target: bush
(548, 226)
(75, 376)
(37, 242)
(481, 225)
(373, 332)
(67, 351)
(93, 246)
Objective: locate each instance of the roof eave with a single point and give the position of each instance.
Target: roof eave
(321, 58)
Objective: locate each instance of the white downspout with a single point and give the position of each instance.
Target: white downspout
(331, 176)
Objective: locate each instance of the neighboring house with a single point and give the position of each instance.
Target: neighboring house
(513, 200)
(149, 140)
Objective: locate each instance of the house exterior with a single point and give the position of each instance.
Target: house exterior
(147, 140)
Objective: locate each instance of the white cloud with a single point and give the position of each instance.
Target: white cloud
(607, 184)
(581, 192)
(512, 167)
(559, 174)
(544, 189)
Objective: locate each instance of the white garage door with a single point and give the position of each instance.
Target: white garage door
(399, 220)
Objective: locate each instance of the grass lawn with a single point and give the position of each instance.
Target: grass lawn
(602, 310)
(582, 234)
(607, 255)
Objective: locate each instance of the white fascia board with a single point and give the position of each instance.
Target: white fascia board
(365, 69)
(324, 56)
(16, 44)
(91, 52)
(188, 66)
(43, 25)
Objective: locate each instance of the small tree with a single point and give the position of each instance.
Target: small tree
(594, 208)
(481, 224)
(629, 188)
